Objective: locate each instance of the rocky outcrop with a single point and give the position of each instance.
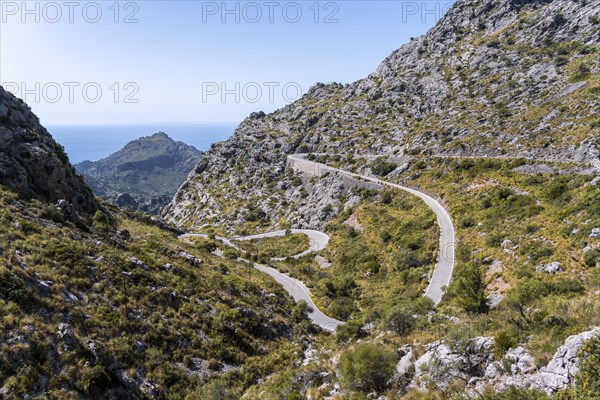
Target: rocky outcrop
(472, 362)
(144, 174)
(550, 268)
(557, 375)
(443, 363)
(32, 163)
(488, 80)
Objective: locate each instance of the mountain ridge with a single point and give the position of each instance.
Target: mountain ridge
(144, 174)
(484, 81)
(35, 165)
(103, 303)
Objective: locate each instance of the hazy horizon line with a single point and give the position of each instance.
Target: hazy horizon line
(141, 123)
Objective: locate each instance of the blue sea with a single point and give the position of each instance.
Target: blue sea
(94, 142)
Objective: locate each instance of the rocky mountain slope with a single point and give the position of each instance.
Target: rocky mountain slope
(494, 112)
(144, 174)
(114, 306)
(492, 78)
(33, 164)
(118, 307)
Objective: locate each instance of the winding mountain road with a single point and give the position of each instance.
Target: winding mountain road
(442, 272)
(296, 288)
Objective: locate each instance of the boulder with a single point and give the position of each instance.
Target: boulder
(405, 366)
(551, 268)
(66, 334)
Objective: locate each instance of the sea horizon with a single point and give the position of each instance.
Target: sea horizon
(94, 142)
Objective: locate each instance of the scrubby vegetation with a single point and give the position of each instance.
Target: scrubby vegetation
(380, 166)
(283, 246)
(510, 225)
(128, 308)
(368, 367)
(380, 251)
(120, 306)
(207, 327)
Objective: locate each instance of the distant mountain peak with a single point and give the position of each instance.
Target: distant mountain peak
(149, 170)
(160, 136)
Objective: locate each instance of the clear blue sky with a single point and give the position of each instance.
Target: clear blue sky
(179, 55)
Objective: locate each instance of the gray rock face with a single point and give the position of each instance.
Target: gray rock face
(521, 361)
(463, 89)
(405, 366)
(65, 331)
(559, 372)
(440, 365)
(493, 300)
(32, 163)
(323, 199)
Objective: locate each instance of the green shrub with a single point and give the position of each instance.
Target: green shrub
(367, 193)
(467, 222)
(385, 236)
(101, 221)
(349, 331)
(582, 73)
(215, 390)
(494, 43)
(206, 245)
(558, 192)
(231, 254)
(13, 288)
(326, 286)
(93, 380)
(256, 215)
(503, 341)
(512, 393)
(400, 320)
(28, 227)
(502, 110)
(592, 258)
(52, 213)
(300, 311)
(368, 367)
(469, 289)
(387, 197)
(381, 167)
(561, 60)
(521, 297)
(407, 259)
(342, 307)
(566, 286)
